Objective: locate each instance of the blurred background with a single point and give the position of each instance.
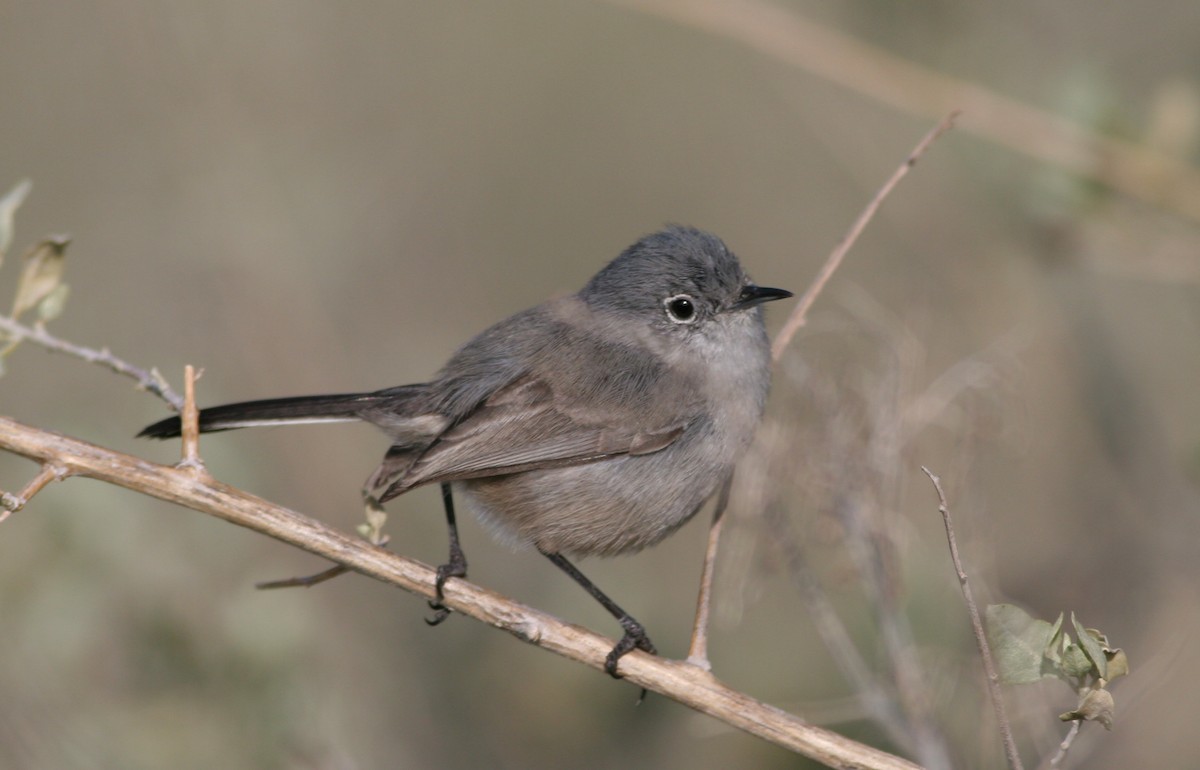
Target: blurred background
(303, 197)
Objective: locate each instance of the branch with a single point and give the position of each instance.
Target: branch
(797, 319)
(799, 314)
(687, 684)
(150, 381)
(989, 667)
(10, 503)
(1061, 755)
(698, 649)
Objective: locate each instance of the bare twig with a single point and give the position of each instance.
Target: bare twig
(150, 381)
(872, 695)
(685, 683)
(1061, 755)
(989, 666)
(10, 503)
(799, 314)
(698, 650)
(871, 551)
(795, 320)
(304, 581)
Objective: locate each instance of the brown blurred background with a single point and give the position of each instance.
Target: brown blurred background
(302, 197)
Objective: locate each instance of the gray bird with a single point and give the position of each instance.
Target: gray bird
(592, 424)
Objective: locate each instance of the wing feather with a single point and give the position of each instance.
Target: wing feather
(524, 427)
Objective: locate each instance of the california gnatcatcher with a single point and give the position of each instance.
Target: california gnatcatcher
(593, 424)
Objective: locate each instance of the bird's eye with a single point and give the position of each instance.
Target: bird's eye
(681, 309)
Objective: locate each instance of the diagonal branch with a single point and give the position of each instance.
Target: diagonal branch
(150, 381)
(799, 314)
(796, 319)
(685, 683)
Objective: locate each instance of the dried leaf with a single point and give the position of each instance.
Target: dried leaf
(52, 306)
(43, 272)
(1096, 706)
(1118, 664)
(9, 204)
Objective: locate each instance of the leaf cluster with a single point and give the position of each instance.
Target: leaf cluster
(1029, 649)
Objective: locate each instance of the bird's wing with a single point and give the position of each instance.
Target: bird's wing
(526, 426)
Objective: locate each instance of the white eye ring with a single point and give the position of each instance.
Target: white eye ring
(681, 309)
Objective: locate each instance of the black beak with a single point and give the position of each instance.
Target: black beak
(756, 295)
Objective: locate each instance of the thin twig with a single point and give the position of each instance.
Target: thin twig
(685, 683)
(797, 319)
(870, 549)
(13, 503)
(150, 381)
(799, 314)
(870, 539)
(698, 649)
(10, 503)
(1061, 755)
(304, 581)
(872, 695)
(316, 579)
(985, 652)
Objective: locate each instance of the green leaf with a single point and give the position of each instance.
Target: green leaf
(1075, 662)
(1093, 646)
(1057, 642)
(1019, 643)
(44, 264)
(9, 204)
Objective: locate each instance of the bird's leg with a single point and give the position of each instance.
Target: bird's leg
(635, 636)
(455, 567)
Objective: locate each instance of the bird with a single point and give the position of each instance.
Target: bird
(593, 424)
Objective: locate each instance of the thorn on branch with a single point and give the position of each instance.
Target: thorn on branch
(190, 424)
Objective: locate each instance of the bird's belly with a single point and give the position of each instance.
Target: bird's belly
(604, 508)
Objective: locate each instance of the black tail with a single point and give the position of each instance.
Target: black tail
(342, 407)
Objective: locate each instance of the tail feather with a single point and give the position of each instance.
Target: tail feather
(344, 407)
